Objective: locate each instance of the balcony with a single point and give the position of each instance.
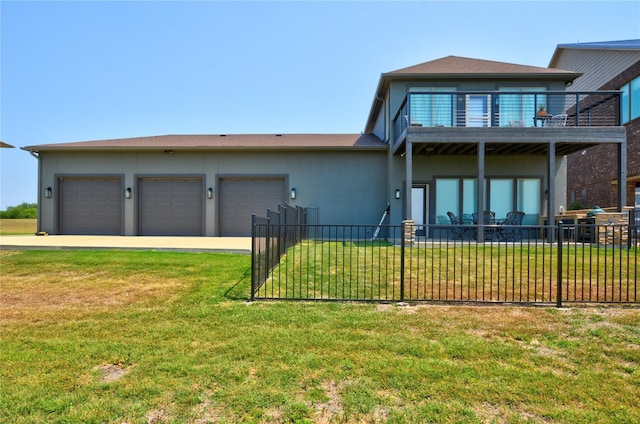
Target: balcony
(508, 122)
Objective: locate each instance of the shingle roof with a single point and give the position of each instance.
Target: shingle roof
(223, 142)
(452, 66)
(463, 68)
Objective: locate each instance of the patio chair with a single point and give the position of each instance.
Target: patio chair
(489, 224)
(558, 120)
(457, 226)
(489, 217)
(508, 229)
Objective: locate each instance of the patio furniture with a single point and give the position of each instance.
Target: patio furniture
(558, 120)
(458, 227)
(489, 226)
(508, 229)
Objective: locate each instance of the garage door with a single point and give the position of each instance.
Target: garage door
(242, 197)
(171, 206)
(90, 205)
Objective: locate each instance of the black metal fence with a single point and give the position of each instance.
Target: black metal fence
(343, 262)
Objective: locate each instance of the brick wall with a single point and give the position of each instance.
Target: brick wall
(590, 176)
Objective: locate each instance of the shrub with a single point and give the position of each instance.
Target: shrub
(22, 211)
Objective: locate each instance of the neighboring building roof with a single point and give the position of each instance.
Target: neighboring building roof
(455, 67)
(628, 45)
(598, 62)
(598, 45)
(7, 145)
(224, 142)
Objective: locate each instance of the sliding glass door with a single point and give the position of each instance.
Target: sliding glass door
(503, 195)
(478, 110)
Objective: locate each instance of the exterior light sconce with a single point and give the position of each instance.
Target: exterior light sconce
(397, 193)
(127, 193)
(210, 193)
(48, 192)
(292, 194)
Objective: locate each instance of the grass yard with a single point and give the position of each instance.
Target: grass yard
(12, 227)
(158, 337)
(511, 272)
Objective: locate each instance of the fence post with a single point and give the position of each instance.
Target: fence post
(267, 263)
(402, 251)
(253, 260)
(560, 231)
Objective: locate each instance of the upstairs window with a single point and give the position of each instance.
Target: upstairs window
(630, 99)
(429, 109)
(520, 109)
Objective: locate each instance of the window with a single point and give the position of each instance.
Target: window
(529, 199)
(637, 195)
(432, 110)
(447, 199)
(630, 101)
(514, 107)
(503, 195)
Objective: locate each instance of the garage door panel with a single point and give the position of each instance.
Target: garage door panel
(242, 197)
(90, 205)
(171, 206)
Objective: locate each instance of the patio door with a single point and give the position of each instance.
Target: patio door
(420, 207)
(478, 110)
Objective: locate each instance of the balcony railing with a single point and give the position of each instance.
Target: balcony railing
(508, 109)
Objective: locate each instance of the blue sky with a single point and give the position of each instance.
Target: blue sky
(90, 70)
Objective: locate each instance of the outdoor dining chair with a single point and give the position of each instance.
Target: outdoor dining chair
(458, 227)
(508, 229)
(558, 120)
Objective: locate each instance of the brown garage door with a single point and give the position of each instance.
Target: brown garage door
(90, 205)
(242, 197)
(170, 206)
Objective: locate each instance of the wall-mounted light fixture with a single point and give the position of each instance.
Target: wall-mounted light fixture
(48, 192)
(292, 194)
(397, 193)
(210, 193)
(127, 193)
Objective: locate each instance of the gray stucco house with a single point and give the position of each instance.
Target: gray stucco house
(434, 130)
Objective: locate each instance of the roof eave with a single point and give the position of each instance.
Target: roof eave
(164, 149)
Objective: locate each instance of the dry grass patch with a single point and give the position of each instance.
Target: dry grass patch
(51, 289)
(10, 227)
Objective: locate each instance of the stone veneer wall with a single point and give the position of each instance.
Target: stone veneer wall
(613, 228)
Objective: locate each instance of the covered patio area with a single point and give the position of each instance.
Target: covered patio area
(552, 143)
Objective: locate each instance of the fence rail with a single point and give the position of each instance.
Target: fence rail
(343, 262)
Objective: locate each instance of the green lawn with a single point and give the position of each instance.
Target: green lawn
(501, 272)
(157, 337)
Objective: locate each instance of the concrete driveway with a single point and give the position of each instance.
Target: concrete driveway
(185, 244)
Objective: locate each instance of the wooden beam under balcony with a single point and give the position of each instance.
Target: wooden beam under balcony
(509, 140)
